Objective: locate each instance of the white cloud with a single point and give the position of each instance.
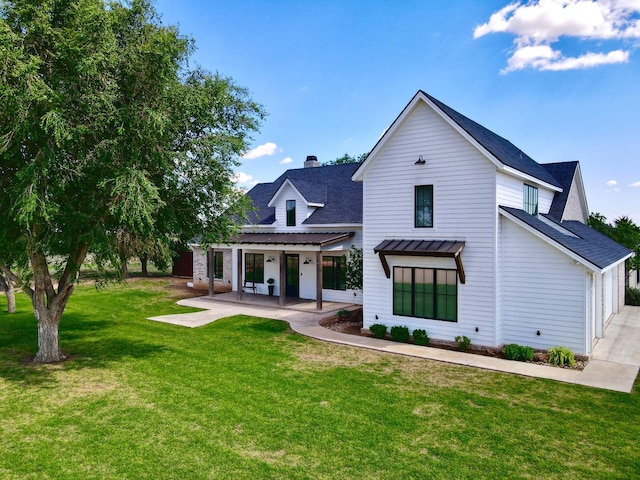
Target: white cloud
(286, 161)
(265, 149)
(538, 24)
(244, 178)
(612, 183)
(635, 184)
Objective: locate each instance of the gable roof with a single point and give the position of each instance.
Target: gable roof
(589, 245)
(563, 172)
(330, 185)
(500, 148)
(312, 192)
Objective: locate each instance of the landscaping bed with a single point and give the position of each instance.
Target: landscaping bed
(350, 322)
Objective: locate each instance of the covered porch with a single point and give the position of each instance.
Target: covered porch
(293, 262)
(293, 304)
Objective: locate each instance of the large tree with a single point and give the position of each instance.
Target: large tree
(624, 231)
(104, 129)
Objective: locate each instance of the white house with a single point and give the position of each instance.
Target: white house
(462, 234)
(301, 232)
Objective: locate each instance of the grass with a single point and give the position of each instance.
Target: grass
(245, 397)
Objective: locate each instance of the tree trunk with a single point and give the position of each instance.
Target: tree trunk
(11, 296)
(48, 340)
(144, 260)
(7, 285)
(49, 304)
(124, 269)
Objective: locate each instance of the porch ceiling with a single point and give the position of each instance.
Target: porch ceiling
(311, 239)
(421, 248)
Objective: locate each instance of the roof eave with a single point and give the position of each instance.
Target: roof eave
(529, 178)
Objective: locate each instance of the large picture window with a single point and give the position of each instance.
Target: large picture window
(425, 293)
(254, 267)
(333, 273)
(424, 206)
(530, 196)
(291, 213)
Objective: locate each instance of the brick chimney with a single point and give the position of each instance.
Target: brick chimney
(311, 161)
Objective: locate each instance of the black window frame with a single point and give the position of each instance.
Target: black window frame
(218, 264)
(530, 199)
(334, 272)
(291, 213)
(420, 297)
(251, 260)
(421, 205)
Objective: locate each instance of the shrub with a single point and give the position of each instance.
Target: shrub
(463, 342)
(379, 330)
(561, 356)
(399, 334)
(521, 353)
(420, 337)
(343, 313)
(632, 296)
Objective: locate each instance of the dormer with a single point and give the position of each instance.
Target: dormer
(295, 200)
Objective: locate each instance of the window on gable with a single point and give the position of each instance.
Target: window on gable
(425, 293)
(530, 202)
(334, 273)
(291, 213)
(254, 267)
(424, 206)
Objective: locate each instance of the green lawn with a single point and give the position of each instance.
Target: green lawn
(247, 398)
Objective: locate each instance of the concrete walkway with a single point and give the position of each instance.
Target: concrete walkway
(614, 364)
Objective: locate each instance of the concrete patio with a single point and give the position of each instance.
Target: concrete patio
(614, 364)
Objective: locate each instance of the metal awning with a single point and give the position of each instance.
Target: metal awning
(421, 248)
(317, 239)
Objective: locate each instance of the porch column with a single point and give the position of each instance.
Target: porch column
(210, 271)
(239, 273)
(319, 280)
(283, 279)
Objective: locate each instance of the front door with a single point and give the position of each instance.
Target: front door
(293, 276)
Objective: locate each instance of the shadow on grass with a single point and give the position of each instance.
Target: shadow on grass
(86, 341)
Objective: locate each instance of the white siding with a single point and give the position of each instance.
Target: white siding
(464, 208)
(608, 294)
(543, 290)
(302, 211)
(510, 190)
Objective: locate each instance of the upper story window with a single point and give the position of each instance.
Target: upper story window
(424, 206)
(530, 199)
(291, 213)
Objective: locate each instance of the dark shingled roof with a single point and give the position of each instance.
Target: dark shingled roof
(593, 246)
(330, 184)
(501, 148)
(563, 172)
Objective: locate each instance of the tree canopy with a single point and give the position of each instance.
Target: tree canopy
(105, 134)
(346, 158)
(624, 231)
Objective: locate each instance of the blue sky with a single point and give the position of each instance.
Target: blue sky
(559, 79)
